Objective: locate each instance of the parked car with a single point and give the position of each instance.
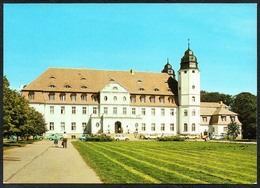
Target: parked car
(38, 137)
(12, 137)
(217, 137)
(52, 136)
(151, 136)
(84, 136)
(121, 137)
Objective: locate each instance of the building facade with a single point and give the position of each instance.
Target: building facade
(95, 101)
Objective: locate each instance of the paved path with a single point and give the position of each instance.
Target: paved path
(42, 162)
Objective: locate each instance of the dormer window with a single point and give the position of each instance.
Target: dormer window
(84, 87)
(139, 81)
(62, 96)
(142, 99)
(156, 89)
(152, 99)
(73, 97)
(83, 97)
(51, 86)
(83, 78)
(161, 99)
(31, 96)
(51, 96)
(115, 88)
(111, 80)
(52, 77)
(170, 99)
(133, 98)
(141, 89)
(67, 86)
(94, 97)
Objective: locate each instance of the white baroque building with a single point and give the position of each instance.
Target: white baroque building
(78, 100)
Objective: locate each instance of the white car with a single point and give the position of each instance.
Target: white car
(151, 136)
(121, 137)
(217, 137)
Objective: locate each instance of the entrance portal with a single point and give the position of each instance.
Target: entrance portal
(118, 127)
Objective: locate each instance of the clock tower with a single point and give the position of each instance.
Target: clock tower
(189, 94)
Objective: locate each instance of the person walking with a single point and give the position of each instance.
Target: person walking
(56, 140)
(64, 141)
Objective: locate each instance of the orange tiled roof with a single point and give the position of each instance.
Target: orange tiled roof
(96, 80)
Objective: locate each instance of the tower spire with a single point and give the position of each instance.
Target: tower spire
(188, 43)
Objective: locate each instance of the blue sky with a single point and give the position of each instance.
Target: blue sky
(223, 37)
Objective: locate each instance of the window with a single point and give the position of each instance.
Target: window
(133, 98)
(153, 127)
(152, 99)
(51, 109)
(51, 126)
(153, 111)
(232, 118)
(67, 86)
(84, 87)
(73, 110)
(62, 126)
(133, 111)
(213, 129)
(143, 126)
(94, 110)
(141, 89)
(94, 97)
(171, 127)
(162, 112)
(105, 98)
(115, 88)
(142, 99)
(185, 112)
(83, 78)
(124, 110)
(193, 87)
(124, 98)
(51, 96)
(84, 110)
(51, 86)
(105, 110)
(225, 129)
(193, 71)
(193, 99)
(224, 118)
(97, 124)
(143, 111)
(73, 126)
(161, 100)
(83, 97)
(185, 72)
(62, 96)
(52, 77)
(172, 112)
(73, 97)
(31, 96)
(193, 127)
(170, 99)
(185, 127)
(62, 109)
(115, 98)
(114, 110)
(162, 127)
(193, 113)
(156, 89)
(204, 119)
(84, 126)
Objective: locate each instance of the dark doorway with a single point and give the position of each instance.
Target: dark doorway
(118, 127)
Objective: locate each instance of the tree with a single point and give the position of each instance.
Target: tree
(233, 130)
(18, 117)
(245, 104)
(215, 97)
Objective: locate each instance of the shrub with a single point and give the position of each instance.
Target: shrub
(171, 138)
(99, 138)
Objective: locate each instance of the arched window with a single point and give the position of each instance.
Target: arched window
(161, 99)
(105, 98)
(193, 127)
(133, 98)
(170, 99)
(193, 99)
(193, 113)
(185, 112)
(94, 97)
(152, 99)
(185, 128)
(51, 96)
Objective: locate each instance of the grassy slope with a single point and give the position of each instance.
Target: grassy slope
(171, 162)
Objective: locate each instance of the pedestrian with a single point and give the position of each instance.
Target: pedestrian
(64, 140)
(56, 140)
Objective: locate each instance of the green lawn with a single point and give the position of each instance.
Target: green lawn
(154, 162)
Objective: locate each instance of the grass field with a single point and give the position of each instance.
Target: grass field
(153, 162)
